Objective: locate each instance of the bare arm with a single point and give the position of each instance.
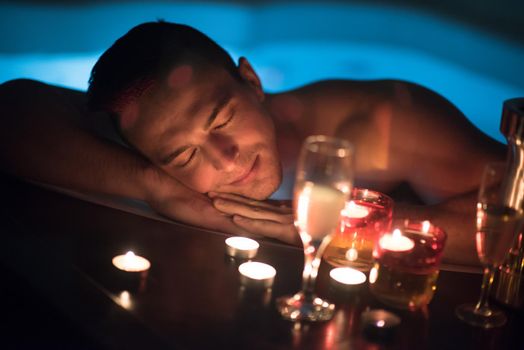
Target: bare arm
(457, 217)
(44, 138)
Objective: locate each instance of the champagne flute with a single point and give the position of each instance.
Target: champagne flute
(497, 227)
(323, 184)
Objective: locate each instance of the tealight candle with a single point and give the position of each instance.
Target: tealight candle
(131, 262)
(347, 276)
(253, 272)
(396, 242)
(355, 211)
(241, 247)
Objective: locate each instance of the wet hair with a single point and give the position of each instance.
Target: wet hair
(146, 53)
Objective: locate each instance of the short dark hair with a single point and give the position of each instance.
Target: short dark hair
(142, 55)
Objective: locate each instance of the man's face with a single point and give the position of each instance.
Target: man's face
(207, 130)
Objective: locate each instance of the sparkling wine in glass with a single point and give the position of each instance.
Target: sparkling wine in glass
(323, 185)
(497, 227)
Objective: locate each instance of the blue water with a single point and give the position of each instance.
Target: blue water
(288, 44)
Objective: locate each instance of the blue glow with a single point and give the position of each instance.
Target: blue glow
(289, 45)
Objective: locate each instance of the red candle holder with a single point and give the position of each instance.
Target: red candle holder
(365, 217)
(406, 267)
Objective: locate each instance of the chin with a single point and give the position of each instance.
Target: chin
(265, 183)
(261, 192)
(263, 188)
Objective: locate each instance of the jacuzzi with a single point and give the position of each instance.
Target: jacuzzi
(289, 44)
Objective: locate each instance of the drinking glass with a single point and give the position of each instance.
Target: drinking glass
(497, 226)
(323, 185)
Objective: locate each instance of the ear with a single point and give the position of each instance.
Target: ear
(250, 76)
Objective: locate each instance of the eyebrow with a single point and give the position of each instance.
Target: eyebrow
(223, 100)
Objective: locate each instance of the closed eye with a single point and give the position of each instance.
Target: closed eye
(228, 120)
(191, 156)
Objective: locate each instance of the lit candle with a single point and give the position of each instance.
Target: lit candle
(347, 276)
(355, 211)
(396, 242)
(131, 262)
(257, 273)
(241, 247)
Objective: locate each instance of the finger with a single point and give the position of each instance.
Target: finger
(240, 199)
(253, 212)
(286, 204)
(227, 225)
(283, 232)
(213, 219)
(283, 209)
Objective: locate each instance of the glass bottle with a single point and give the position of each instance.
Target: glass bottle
(509, 279)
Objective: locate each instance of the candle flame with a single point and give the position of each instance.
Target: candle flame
(426, 225)
(130, 254)
(354, 211)
(396, 241)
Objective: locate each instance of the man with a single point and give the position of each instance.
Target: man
(202, 143)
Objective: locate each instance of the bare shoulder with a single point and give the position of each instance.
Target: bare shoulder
(341, 99)
(328, 103)
(29, 85)
(30, 95)
(355, 92)
(348, 107)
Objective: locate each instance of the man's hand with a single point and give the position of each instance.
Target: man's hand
(261, 218)
(170, 198)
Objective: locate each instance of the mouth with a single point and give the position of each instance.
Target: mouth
(249, 174)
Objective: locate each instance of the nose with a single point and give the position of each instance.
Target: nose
(222, 151)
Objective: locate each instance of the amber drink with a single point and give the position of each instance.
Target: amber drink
(364, 218)
(406, 267)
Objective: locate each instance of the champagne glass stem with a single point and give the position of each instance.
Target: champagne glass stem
(308, 277)
(312, 259)
(482, 306)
